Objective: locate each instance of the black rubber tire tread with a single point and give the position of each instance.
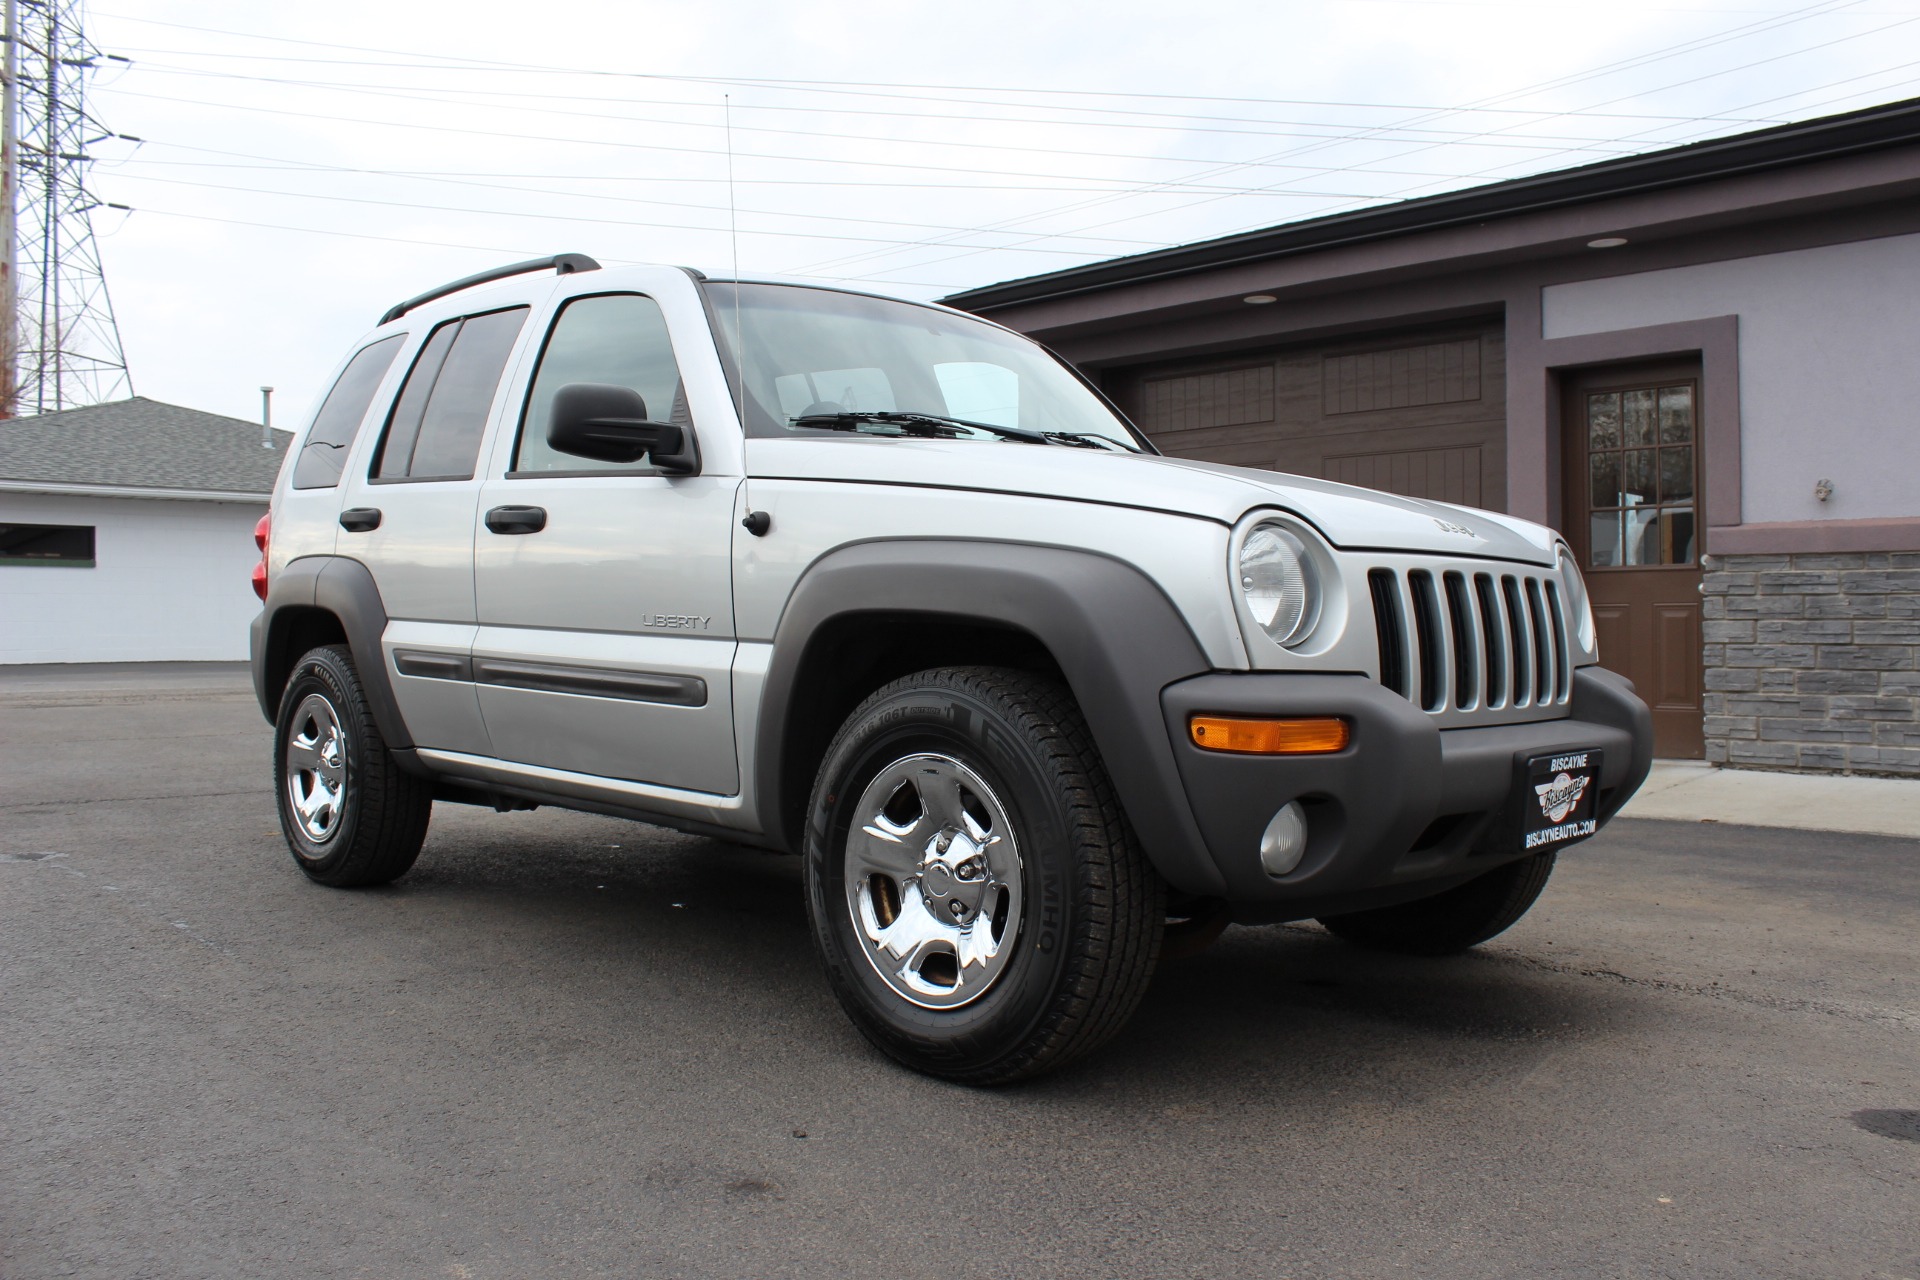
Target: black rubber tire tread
(1119, 911)
(1451, 922)
(387, 809)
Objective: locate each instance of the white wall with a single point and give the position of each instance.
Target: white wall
(170, 583)
(1829, 366)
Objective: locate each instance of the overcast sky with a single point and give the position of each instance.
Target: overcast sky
(304, 166)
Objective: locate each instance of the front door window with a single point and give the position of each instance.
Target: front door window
(1640, 472)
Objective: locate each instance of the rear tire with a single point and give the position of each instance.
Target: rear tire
(351, 816)
(977, 897)
(1450, 922)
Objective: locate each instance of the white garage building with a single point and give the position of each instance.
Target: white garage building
(126, 533)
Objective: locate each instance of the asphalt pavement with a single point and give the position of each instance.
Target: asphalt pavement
(572, 1046)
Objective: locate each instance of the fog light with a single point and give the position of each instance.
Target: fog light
(1284, 842)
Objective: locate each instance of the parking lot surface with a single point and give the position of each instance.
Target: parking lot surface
(567, 1045)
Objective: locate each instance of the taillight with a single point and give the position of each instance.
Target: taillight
(261, 532)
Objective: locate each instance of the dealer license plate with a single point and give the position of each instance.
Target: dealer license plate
(1559, 798)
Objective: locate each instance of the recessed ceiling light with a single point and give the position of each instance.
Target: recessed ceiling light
(1259, 299)
(1607, 242)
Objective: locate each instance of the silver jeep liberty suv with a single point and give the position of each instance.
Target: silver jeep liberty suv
(887, 586)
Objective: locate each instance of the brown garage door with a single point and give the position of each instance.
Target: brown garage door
(1422, 414)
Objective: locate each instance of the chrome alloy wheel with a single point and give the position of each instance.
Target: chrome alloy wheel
(933, 881)
(316, 768)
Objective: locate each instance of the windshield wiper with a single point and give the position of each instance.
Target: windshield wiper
(934, 425)
(1086, 440)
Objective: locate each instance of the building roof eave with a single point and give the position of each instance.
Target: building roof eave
(1783, 146)
(55, 488)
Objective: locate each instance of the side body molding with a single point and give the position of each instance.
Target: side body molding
(1115, 635)
(344, 588)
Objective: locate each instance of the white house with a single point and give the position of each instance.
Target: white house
(126, 533)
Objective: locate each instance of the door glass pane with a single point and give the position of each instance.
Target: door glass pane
(1676, 474)
(1676, 415)
(1676, 535)
(462, 397)
(1603, 421)
(1636, 476)
(1637, 417)
(616, 340)
(324, 454)
(1640, 536)
(1605, 532)
(1605, 471)
(396, 451)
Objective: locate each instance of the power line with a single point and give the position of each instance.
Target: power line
(454, 63)
(1177, 123)
(712, 151)
(1657, 55)
(612, 222)
(432, 244)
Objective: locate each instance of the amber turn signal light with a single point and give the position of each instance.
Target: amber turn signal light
(1313, 736)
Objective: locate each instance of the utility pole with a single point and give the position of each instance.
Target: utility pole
(9, 232)
(65, 342)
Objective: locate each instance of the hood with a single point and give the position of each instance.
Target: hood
(1350, 518)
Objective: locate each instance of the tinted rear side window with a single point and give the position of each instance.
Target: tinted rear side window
(325, 453)
(441, 413)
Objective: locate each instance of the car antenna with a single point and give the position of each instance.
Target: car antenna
(756, 522)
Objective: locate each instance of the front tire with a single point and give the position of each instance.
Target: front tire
(351, 816)
(977, 897)
(1448, 923)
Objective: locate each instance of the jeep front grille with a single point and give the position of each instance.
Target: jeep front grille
(1473, 645)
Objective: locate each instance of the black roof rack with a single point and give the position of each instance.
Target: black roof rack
(563, 264)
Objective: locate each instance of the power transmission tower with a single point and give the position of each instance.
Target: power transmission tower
(59, 342)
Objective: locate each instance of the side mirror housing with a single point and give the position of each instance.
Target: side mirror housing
(610, 424)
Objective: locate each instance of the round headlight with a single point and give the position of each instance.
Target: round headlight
(1579, 607)
(1278, 582)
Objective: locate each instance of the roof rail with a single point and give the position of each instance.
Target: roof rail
(563, 264)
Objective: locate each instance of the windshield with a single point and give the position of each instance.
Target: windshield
(818, 360)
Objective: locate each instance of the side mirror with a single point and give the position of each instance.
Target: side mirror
(610, 424)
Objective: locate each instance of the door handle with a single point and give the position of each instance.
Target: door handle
(517, 519)
(360, 519)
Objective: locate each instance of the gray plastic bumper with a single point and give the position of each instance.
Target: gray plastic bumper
(1404, 807)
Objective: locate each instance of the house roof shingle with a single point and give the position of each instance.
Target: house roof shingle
(141, 444)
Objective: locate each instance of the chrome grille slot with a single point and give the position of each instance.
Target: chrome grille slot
(1391, 628)
(1426, 624)
(1542, 650)
(1472, 645)
(1494, 628)
(1466, 641)
(1562, 669)
(1521, 634)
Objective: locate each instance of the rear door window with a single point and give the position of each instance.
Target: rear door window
(441, 413)
(324, 454)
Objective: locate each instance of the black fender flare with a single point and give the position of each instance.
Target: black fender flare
(1114, 633)
(346, 589)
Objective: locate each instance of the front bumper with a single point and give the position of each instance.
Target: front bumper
(1405, 809)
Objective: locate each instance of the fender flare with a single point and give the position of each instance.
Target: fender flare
(1113, 632)
(346, 589)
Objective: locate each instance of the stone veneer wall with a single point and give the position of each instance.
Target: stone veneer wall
(1811, 661)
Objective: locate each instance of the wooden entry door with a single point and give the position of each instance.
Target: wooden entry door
(1633, 514)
